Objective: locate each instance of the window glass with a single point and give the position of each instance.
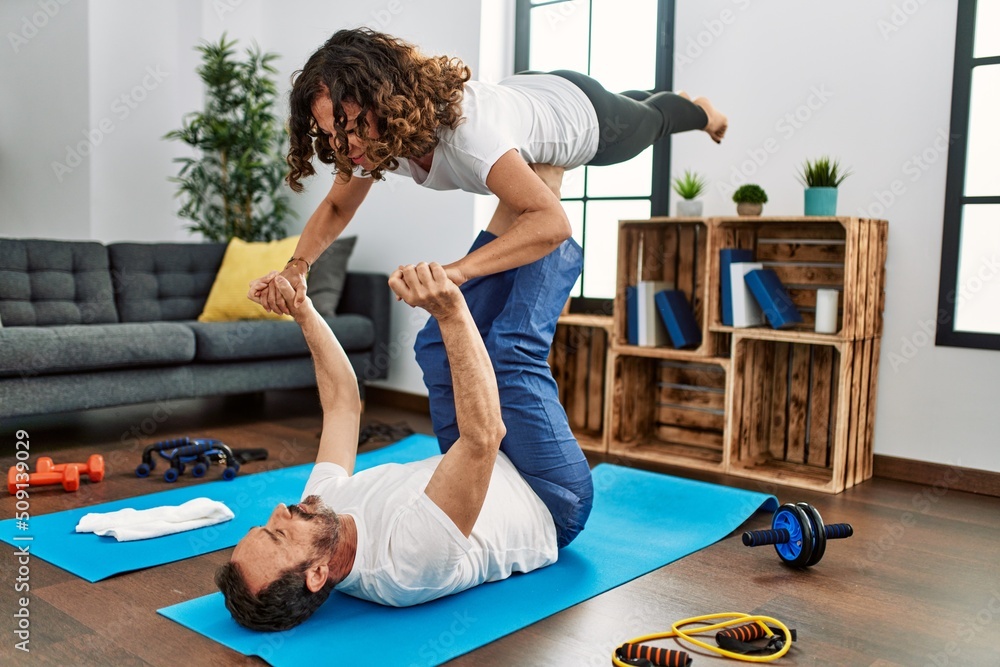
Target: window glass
(601, 243)
(982, 175)
(559, 34)
(977, 300)
(987, 29)
(626, 179)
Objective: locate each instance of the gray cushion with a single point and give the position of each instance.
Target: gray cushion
(326, 279)
(54, 282)
(28, 351)
(268, 339)
(160, 282)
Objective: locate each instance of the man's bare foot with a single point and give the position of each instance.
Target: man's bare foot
(717, 122)
(681, 93)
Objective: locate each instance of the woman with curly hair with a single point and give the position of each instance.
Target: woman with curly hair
(370, 104)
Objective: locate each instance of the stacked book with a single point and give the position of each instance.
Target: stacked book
(659, 315)
(752, 294)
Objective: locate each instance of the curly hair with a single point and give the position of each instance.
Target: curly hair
(411, 95)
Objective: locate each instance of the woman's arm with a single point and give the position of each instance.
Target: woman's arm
(324, 226)
(540, 224)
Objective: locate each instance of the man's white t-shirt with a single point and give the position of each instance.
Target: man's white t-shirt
(545, 117)
(410, 551)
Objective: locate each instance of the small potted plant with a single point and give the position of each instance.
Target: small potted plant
(689, 187)
(750, 199)
(821, 178)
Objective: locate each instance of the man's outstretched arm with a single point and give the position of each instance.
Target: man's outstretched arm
(459, 484)
(338, 385)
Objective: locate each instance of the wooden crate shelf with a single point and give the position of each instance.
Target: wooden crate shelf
(794, 407)
(846, 254)
(669, 411)
(578, 360)
(803, 413)
(675, 250)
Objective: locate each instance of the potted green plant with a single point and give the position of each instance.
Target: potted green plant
(750, 199)
(233, 186)
(821, 178)
(689, 187)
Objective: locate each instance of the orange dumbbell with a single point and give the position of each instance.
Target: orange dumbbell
(67, 474)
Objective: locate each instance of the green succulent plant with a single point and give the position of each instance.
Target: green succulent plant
(750, 194)
(822, 173)
(233, 186)
(690, 186)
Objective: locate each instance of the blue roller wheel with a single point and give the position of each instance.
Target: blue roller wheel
(199, 470)
(142, 470)
(228, 474)
(171, 475)
(798, 550)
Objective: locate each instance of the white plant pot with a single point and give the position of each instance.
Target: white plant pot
(689, 208)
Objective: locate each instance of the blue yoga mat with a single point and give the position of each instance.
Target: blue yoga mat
(640, 522)
(252, 498)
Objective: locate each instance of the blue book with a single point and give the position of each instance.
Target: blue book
(729, 256)
(778, 307)
(632, 315)
(677, 314)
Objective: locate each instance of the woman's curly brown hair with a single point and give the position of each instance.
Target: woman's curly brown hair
(412, 95)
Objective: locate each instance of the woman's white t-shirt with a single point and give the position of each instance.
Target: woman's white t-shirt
(410, 551)
(545, 117)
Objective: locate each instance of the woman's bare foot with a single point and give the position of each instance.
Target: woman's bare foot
(681, 93)
(717, 122)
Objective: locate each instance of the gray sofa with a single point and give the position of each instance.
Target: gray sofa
(85, 325)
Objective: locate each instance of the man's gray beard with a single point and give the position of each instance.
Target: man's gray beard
(327, 522)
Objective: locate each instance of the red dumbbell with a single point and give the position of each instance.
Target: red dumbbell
(93, 468)
(67, 474)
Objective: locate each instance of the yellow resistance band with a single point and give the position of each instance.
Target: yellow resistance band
(735, 618)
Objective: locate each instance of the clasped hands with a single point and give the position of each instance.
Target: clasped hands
(429, 286)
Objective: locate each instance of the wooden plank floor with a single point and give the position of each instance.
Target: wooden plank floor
(919, 584)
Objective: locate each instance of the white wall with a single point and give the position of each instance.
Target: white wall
(871, 84)
(142, 82)
(45, 93)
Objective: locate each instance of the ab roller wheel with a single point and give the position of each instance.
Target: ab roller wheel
(798, 534)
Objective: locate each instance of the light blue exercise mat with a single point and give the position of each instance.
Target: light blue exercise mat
(252, 498)
(640, 522)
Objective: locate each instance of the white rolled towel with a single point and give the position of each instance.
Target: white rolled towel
(130, 524)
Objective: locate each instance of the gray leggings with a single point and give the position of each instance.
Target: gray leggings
(632, 121)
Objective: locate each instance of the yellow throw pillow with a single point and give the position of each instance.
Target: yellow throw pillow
(242, 263)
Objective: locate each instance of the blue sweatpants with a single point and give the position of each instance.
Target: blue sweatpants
(516, 313)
